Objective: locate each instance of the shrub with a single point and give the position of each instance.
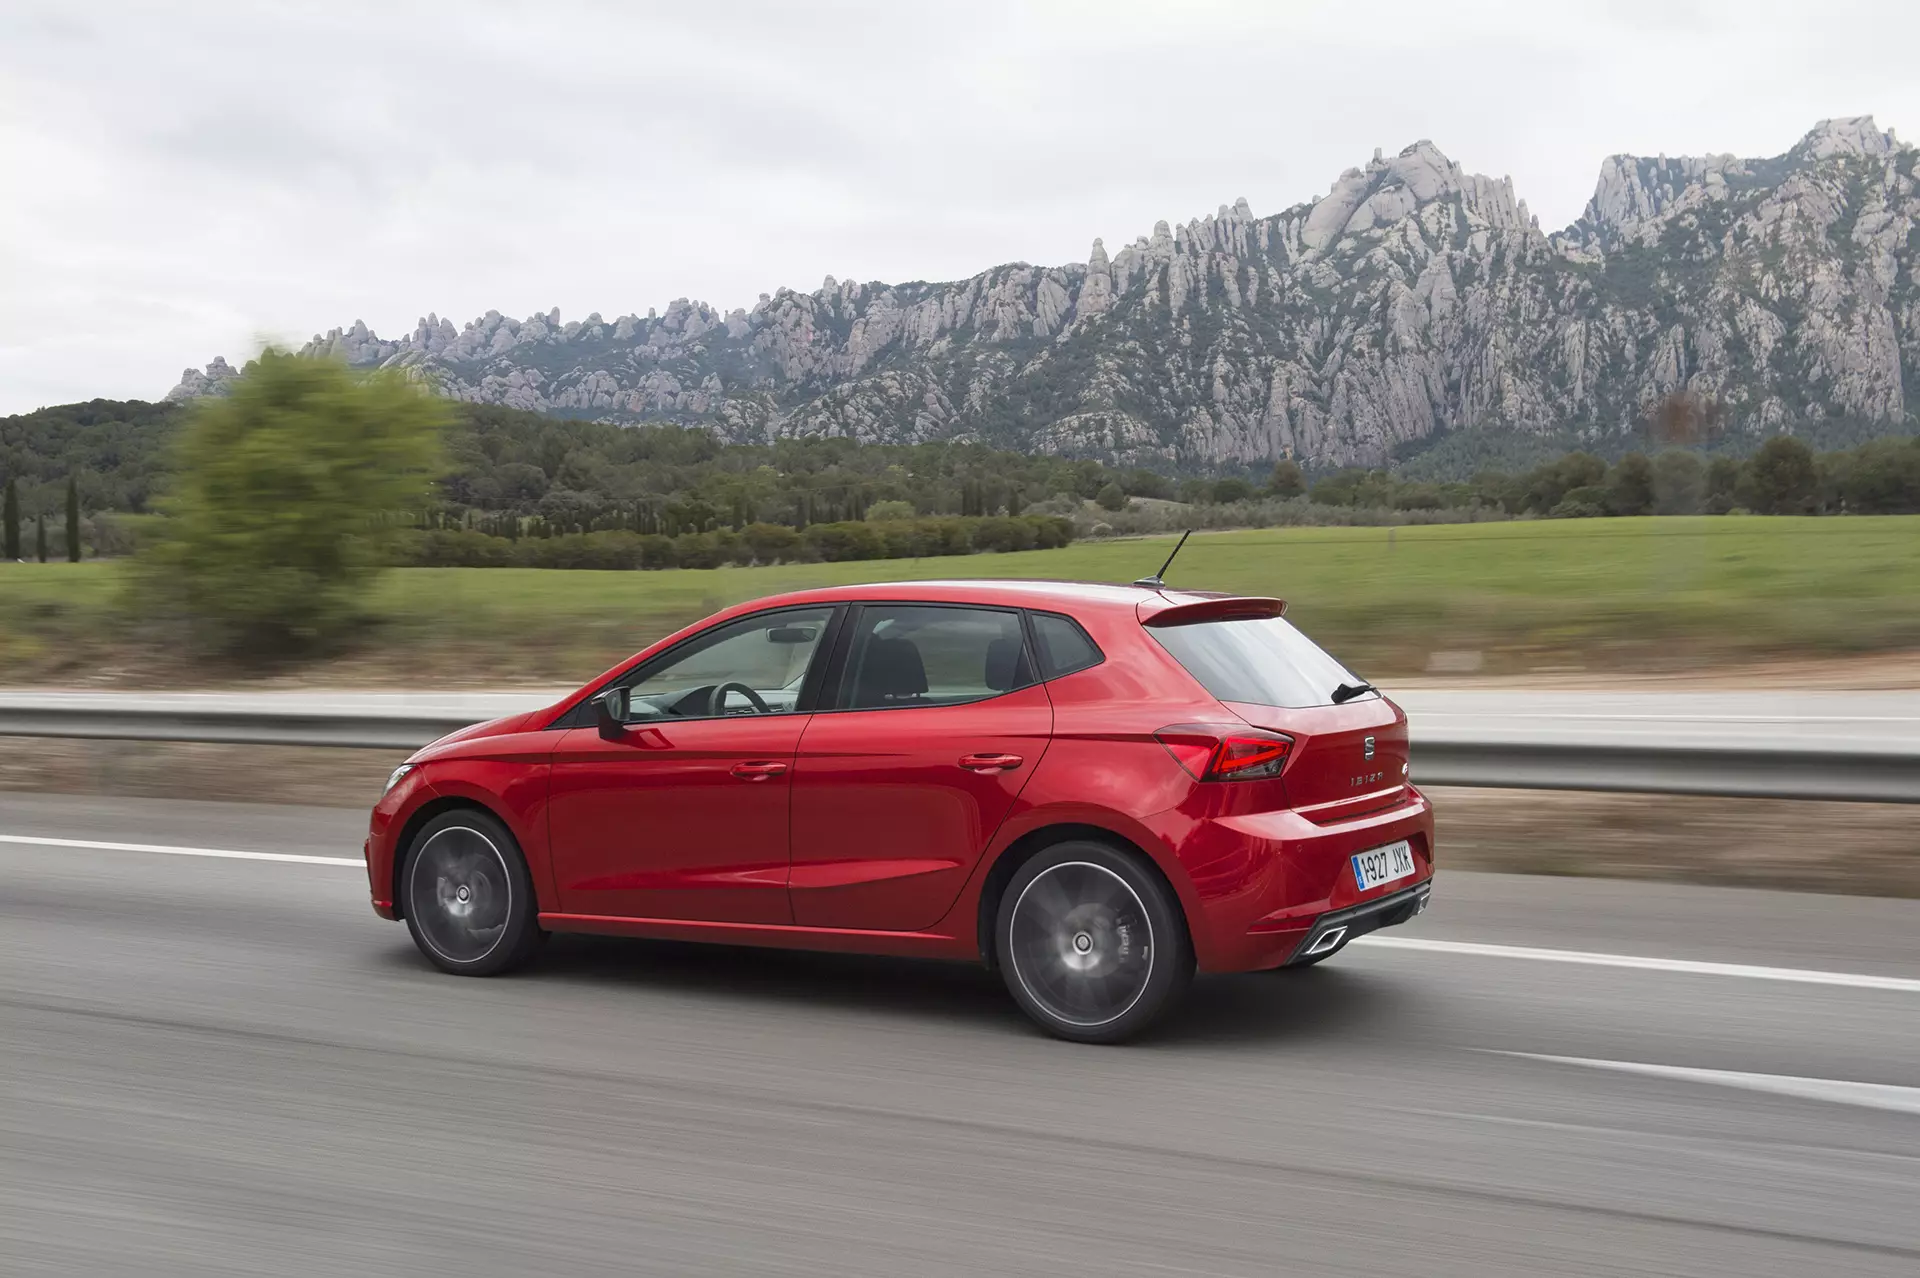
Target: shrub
(888, 511)
(283, 502)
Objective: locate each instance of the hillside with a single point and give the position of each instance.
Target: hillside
(1413, 301)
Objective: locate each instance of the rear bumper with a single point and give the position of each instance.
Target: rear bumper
(1261, 886)
(1332, 930)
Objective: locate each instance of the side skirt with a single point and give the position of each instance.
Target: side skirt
(784, 936)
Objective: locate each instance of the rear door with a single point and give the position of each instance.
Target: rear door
(934, 726)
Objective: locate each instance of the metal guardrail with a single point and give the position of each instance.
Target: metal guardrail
(1855, 776)
(1783, 772)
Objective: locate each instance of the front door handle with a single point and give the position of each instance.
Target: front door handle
(990, 762)
(759, 770)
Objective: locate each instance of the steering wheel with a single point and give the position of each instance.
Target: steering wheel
(717, 701)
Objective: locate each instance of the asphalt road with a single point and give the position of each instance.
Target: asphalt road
(213, 1066)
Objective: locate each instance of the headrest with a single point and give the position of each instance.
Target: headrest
(891, 670)
(1006, 665)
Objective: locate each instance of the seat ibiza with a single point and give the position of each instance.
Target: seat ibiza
(1093, 789)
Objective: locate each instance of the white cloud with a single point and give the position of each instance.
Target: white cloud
(186, 179)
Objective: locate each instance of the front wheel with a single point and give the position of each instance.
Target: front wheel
(1092, 943)
(467, 896)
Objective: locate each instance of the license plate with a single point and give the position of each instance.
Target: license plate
(1383, 865)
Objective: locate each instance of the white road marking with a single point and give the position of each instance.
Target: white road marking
(1687, 967)
(165, 849)
(1904, 1100)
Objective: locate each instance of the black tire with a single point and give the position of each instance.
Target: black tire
(467, 896)
(1091, 942)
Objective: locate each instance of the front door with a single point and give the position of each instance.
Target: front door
(934, 729)
(685, 814)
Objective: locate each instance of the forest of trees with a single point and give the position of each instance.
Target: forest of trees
(673, 495)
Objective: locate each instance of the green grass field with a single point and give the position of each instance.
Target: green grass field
(1614, 594)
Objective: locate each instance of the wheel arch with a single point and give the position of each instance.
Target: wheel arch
(1033, 843)
(426, 812)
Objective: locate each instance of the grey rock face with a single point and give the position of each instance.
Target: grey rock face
(1413, 298)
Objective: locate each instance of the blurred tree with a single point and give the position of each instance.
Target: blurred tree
(283, 494)
(10, 513)
(40, 538)
(1231, 490)
(1723, 485)
(73, 520)
(1679, 483)
(1685, 419)
(1630, 486)
(1782, 479)
(883, 511)
(1287, 479)
(1111, 497)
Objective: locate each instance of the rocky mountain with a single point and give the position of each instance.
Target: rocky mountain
(1412, 300)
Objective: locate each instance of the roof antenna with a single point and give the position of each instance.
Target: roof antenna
(1154, 582)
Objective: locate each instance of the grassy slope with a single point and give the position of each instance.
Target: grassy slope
(1617, 593)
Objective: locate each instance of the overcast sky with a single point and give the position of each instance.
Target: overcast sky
(184, 180)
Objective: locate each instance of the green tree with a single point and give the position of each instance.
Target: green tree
(283, 504)
(1679, 483)
(1630, 486)
(40, 538)
(1111, 497)
(1287, 479)
(73, 520)
(1231, 490)
(10, 513)
(885, 511)
(1782, 478)
(1724, 476)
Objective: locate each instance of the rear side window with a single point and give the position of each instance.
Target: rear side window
(1064, 646)
(906, 655)
(1262, 660)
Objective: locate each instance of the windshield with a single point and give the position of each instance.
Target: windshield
(1262, 660)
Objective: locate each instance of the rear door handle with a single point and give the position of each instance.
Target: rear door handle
(759, 770)
(990, 762)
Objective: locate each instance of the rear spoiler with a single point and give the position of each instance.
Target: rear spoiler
(1241, 608)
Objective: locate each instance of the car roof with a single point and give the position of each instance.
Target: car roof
(1059, 596)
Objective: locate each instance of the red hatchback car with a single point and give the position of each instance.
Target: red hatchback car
(1092, 788)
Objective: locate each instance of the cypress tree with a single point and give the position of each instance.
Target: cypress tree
(40, 537)
(73, 520)
(10, 514)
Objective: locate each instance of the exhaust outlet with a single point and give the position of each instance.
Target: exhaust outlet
(1327, 941)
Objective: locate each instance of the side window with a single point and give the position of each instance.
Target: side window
(1064, 646)
(914, 655)
(751, 666)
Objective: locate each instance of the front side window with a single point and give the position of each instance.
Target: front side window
(755, 665)
(920, 655)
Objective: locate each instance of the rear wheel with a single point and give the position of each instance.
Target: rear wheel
(1091, 942)
(467, 896)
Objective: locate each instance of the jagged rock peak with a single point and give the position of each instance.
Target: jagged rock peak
(1849, 135)
(1413, 299)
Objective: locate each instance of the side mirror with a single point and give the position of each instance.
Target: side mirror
(610, 713)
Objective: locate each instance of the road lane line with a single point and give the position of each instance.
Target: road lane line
(1798, 975)
(1688, 967)
(1903, 1100)
(165, 849)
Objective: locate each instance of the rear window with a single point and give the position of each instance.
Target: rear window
(1064, 646)
(1262, 660)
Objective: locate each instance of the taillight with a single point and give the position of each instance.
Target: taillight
(1217, 752)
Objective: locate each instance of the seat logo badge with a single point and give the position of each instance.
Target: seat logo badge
(1369, 745)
